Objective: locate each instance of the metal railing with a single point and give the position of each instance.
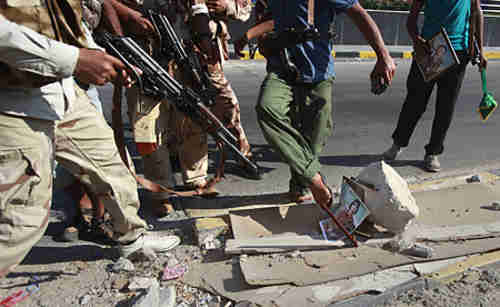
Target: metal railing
(491, 6)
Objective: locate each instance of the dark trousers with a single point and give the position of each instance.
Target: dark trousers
(417, 99)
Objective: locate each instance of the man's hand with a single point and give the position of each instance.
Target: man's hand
(139, 25)
(483, 62)
(385, 68)
(421, 46)
(217, 6)
(97, 67)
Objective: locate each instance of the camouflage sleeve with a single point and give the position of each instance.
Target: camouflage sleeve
(239, 9)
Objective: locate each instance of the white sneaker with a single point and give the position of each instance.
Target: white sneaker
(158, 244)
(392, 153)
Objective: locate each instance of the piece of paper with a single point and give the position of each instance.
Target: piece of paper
(175, 271)
(351, 212)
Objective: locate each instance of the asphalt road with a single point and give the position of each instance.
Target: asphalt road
(363, 126)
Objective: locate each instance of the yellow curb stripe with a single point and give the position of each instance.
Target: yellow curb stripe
(367, 54)
(449, 273)
(407, 55)
(370, 55)
(492, 54)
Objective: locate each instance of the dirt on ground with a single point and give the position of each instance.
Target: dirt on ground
(83, 273)
(473, 288)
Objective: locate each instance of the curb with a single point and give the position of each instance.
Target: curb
(434, 280)
(419, 283)
(490, 55)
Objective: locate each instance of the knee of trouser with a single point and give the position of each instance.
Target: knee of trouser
(25, 199)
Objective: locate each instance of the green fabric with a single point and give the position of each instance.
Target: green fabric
(296, 121)
(488, 103)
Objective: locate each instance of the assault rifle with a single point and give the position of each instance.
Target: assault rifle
(172, 48)
(155, 82)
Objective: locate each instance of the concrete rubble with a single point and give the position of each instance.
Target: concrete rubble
(275, 255)
(392, 204)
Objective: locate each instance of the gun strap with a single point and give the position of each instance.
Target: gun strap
(472, 30)
(483, 81)
(310, 13)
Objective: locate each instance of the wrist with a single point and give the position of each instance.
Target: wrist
(382, 54)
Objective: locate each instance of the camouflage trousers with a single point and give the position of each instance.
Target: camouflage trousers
(151, 137)
(83, 144)
(192, 139)
(171, 129)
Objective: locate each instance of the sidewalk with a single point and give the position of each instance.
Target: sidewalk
(455, 211)
(366, 52)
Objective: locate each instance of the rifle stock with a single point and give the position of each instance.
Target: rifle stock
(155, 82)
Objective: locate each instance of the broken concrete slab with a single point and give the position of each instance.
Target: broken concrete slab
(392, 204)
(297, 220)
(317, 266)
(224, 278)
(323, 266)
(278, 244)
(207, 228)
(278, 229)
(425, 268)
(428, 233)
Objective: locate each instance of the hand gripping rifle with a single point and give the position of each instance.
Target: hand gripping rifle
(172, 48)
(155, 82)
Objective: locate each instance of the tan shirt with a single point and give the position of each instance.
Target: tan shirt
(26, 50)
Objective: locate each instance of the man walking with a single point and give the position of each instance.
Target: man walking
(454, 16)
(44, 116)
(295, 113)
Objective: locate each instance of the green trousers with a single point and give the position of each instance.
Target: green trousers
(296, 120)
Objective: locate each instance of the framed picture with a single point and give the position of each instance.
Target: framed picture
(350, 212)
(440, 59)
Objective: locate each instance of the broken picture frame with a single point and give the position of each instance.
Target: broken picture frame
(350, 212)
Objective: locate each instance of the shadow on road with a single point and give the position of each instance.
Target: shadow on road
(365, 160)
(228, 202)
(41, 277)
(57, 254)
